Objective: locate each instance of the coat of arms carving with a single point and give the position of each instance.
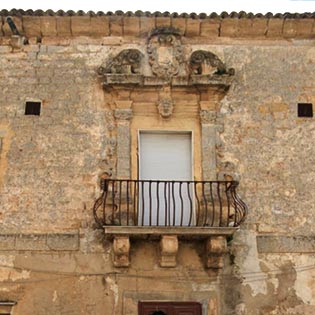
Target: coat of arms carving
(165, 52)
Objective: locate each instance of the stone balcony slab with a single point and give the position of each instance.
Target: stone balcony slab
(155, 232)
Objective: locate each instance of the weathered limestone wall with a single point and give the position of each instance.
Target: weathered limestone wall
(49, 152)
(81, 282)
(50, 167)
(65, 149)
(270, 149)
(264, 137)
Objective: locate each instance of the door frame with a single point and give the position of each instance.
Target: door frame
(142, 305)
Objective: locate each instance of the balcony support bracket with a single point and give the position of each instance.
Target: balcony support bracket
(121, 249)
(168, 251)
(216, 247)
(215, 240)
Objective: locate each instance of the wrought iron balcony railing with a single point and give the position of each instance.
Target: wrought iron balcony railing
(169, 203)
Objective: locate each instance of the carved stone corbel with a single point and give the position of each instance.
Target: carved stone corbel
(17, 41)
(216, 247)
(121, 248)
(168, 250)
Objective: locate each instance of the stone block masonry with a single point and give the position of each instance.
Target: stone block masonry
(40, 242)
(53, 260)
(285, 244)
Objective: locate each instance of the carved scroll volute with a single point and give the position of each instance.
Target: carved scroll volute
(165, 52)
(206, 63)
(128, 61)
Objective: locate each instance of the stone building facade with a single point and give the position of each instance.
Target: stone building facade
(78, 93)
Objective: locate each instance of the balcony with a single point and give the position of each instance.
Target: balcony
(148, 203)
(157, 208)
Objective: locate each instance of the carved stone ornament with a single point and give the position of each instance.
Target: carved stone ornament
(168, 250)
(17, 41)
(206, 63)
(208, 116)
(123, 114)
(121, 249)
(216, 247)
(165, 52)
(128, 61)
(165, 108)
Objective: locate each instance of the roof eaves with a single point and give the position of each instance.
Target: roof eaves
(222, 15)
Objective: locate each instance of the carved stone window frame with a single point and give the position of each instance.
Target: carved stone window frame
(204, 74)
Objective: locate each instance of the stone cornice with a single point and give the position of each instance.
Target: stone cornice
(179, 81)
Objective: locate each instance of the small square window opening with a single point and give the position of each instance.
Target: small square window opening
(305, 110)
(32, 108)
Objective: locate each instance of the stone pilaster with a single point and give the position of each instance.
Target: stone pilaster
(208, 143)
(123, 117)
(121, 248)
(169, 249)
(216, 247)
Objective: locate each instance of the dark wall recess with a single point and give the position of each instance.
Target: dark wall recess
(305, 110)
(169, 308)
(32, 108)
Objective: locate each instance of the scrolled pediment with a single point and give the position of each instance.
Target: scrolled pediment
(128, 61)
(167, 62)
(203, 62)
